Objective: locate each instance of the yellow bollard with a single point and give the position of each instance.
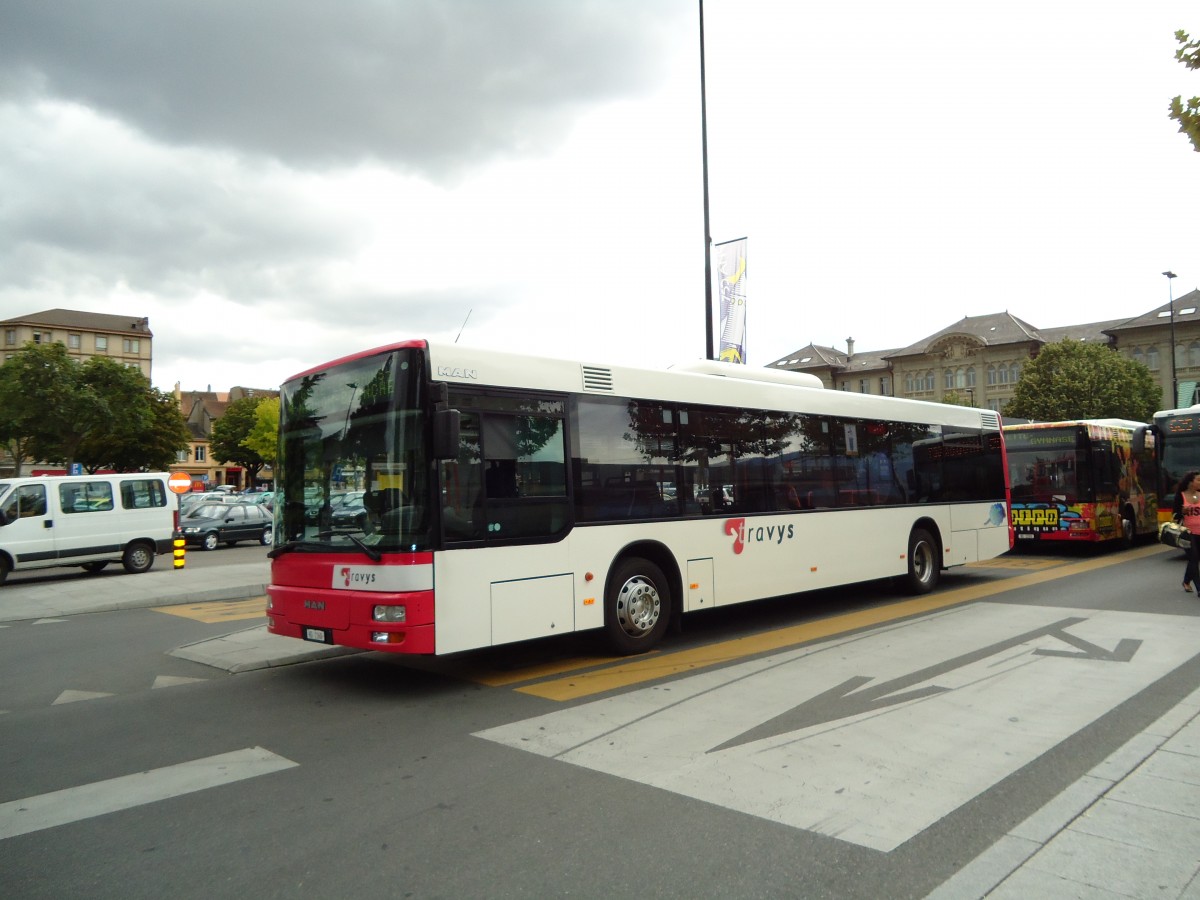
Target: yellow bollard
(180, 549)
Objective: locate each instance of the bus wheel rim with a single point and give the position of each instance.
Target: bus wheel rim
(922, 561)
(638, 606)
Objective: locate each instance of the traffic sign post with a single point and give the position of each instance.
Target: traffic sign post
(180, 483)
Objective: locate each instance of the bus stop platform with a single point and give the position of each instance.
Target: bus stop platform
(56, 596)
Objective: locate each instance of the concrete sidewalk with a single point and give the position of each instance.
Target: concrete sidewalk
(113, 589)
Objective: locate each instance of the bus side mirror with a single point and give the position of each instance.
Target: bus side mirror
(446, 428)
(1138, 442)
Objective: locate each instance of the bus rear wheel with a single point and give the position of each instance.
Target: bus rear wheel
(924, 567)
(637, 606)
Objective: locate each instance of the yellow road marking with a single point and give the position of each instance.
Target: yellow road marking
(219, 610)
(586, 684)
(1024, 563)
(494, 678)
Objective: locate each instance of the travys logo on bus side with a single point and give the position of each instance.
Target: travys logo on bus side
(349, 577)
(744, 534)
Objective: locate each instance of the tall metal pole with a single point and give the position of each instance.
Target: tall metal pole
(708, 300)
(1174, 381)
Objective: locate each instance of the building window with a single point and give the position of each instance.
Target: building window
(930, 383)
(1138, 355)
(909, 386)
(948, 379)
(73, 341)
(201, 454)
(10, 337)
(37, 337)
(971, 377)
(101, 343)
(885, 386)
(131, 345)
(864, 385)
(1152, 359)
(1193, 356)
(1014, 373)
(991, 374)
(1002, 373)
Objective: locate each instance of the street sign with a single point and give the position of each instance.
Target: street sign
(180, 482)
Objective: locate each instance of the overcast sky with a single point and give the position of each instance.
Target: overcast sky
(282, 182)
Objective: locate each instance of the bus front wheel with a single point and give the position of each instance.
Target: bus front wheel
(924, 567)
(637, 606)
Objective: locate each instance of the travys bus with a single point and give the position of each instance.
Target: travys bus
(508, 497)
(1083, 480)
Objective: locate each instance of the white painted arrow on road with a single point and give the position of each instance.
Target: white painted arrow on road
(998, 691)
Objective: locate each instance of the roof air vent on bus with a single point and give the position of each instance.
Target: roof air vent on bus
(597, 380)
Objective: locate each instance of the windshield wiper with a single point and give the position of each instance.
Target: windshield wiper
(373, 554)
(283, 549)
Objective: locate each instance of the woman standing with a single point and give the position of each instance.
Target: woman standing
(1187, 514)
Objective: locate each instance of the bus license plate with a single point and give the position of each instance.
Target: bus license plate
(320, 635)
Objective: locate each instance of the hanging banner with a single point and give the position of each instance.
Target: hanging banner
(731, 282)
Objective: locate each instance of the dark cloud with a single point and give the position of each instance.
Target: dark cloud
(429, 86)
(117, 210)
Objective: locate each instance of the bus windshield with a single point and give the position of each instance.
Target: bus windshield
(1043, 463)
(1180, 450)
(352, 468)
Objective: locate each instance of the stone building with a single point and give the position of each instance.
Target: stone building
(981, 357)
(201, 409)
(127, 339)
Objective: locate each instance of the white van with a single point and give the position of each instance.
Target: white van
(85, 520)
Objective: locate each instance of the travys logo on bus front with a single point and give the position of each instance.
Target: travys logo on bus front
(744, 534)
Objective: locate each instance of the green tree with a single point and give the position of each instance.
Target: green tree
(1188, 116)
(958, 398)
(1078, 380)
(125, 392)
(46, 406)
(158, 444)
(231, 432)
(264, 436)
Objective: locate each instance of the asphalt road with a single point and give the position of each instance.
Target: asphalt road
(853, 743)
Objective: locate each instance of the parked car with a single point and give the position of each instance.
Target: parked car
(352, 513)
(227, 523)
(197, 498)
(313, 508)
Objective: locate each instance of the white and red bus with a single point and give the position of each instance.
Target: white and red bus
(1086, 480)
(435, 498)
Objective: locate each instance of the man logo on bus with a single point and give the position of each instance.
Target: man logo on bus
(756, 534)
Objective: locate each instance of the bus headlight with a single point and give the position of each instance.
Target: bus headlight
(389, 614)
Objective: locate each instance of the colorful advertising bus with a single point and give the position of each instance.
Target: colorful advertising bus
(1084, 480)
(506, 497)
(1178, 434)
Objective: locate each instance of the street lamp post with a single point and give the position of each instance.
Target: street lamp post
(1174, 378)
